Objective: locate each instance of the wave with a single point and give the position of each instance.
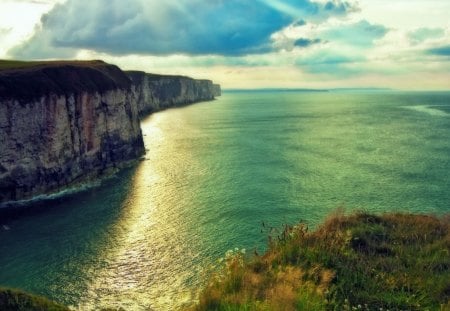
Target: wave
(431, 110)
(42, 198)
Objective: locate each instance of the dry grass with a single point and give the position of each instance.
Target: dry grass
(16, 300)
(362, 261)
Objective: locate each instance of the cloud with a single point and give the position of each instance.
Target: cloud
(361, 34)
(345, 50)
(313, 10)
(41, 48)
(299, 23)
(339, 7)
(194, 27)
(422, 34)
(440, 51)
(342, 35)
(304, 42)
(37, 1)
(5, 31)
(331, 63)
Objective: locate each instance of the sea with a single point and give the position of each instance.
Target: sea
(224, 175)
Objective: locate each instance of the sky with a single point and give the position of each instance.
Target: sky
(401, 44)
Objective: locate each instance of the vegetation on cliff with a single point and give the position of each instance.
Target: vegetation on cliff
(358, 262)
(15, 300)
(30, 80)
(138, 76)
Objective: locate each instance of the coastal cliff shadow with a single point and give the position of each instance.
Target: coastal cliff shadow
(65, 203)
(60, 241)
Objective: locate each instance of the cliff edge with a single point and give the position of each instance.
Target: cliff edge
(61, 123)
(156, 92)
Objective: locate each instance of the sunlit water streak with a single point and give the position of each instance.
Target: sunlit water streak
(212, 174)
(152, 260)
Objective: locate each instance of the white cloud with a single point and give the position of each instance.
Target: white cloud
(20, 17)
(407, 14)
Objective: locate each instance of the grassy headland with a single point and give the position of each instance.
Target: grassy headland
(358, 262)
(19, 64)
(23, 80)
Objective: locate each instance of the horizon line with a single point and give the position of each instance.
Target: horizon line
(324, 90)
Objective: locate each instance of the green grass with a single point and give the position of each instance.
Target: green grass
(358, 262)
(15, 300)
(17, 64)
(27, 82)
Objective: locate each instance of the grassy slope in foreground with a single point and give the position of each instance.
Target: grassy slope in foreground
(358, 262)
(15, 300)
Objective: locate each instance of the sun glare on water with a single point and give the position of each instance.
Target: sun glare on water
(145, 264)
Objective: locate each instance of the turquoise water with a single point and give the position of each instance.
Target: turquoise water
(213, 173)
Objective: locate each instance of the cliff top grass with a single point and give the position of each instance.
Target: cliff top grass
(26, 81)
(11, 65)
(358, 262)
(16, 300)
(137, 76)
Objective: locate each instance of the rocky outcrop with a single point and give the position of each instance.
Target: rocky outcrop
(62, 123)
(157, 92)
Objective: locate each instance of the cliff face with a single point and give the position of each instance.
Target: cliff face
(217, 91)
(156, 92)
(61, 123)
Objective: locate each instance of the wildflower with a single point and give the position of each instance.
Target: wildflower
(228, 254)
